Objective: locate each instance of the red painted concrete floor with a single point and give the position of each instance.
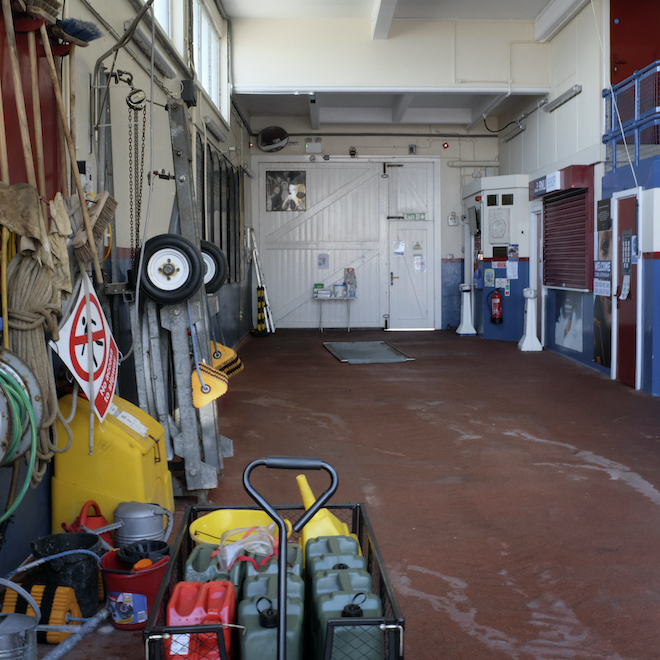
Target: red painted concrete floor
(515, 496)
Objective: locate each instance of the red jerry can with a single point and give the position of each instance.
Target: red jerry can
(200, 604)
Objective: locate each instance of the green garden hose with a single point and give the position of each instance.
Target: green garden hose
(20, 406)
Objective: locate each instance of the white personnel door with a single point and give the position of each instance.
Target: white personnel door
(411, 247)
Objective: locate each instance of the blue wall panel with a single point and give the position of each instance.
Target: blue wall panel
(647, 172)
(30, 521)
(452, 277)
(513, 307)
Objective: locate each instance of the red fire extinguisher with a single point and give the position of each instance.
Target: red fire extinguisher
(496, 307)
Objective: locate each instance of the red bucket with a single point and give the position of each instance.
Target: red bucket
(131, 595)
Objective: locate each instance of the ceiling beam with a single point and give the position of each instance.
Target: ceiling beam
(374, 115)
(382, 15)
(314, 115)
(400, 106)
(555, 15)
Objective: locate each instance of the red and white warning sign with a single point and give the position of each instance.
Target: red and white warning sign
(101, 358)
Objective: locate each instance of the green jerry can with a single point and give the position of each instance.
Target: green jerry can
(326, 552)
(202, 566)
(346, 599)
(257, 612)
(327, 582)
(268, 565)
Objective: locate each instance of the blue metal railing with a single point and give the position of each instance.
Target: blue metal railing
(637, 123)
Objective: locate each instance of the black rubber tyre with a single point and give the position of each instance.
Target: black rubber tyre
(172, 269)
(216, 266)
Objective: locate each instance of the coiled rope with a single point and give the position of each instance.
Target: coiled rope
(33, 309)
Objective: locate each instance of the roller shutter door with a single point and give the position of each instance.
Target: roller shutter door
(567, 240)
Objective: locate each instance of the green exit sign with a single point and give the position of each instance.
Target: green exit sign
(414, 216)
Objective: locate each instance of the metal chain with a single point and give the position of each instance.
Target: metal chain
(135, 178)
(130, 181)
(140, 176)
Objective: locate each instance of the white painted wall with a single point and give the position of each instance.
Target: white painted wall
(571, 134)
(115, 13)
(314, 55)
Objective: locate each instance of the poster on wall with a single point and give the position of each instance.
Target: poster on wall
(603, 287)
(286, 191)
(603, 331)
(568, 320)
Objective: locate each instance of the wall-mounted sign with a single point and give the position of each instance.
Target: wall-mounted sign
(604, 215)
(603, 270)
(546, 184)
(414, 216)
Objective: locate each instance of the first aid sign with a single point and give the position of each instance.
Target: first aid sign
(98, 357)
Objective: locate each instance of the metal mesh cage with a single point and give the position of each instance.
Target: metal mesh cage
(346, 639)
(649, 94)
(625, 99)
(609, 160)
(649, 142)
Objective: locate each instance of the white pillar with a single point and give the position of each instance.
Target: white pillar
(466, 328)
(529, 341)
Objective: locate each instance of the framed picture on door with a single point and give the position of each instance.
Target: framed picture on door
(286, 190)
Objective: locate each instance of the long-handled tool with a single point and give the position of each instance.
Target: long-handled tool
(36, 117)
(72, 150)
(268, 317)
(18, 92)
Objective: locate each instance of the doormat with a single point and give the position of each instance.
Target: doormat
(365, 352)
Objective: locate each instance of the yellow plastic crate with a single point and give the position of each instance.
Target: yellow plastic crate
(125, 465)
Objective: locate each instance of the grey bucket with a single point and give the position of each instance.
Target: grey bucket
(18, 632)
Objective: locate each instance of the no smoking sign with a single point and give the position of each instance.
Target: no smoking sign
(100, 357)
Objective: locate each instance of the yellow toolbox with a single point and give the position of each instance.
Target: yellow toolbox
(128, 462)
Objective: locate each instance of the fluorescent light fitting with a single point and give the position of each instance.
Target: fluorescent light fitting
(143, 42)
(214, 129)
(562, 98)
(516, 130)
(247, 171)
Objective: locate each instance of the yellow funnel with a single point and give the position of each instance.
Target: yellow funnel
(323, 523)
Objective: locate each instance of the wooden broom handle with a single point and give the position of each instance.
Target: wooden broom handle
(4, 175)
(72, 151)
(18, 92)
(38, 132)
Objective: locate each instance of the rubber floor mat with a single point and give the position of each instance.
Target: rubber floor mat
(365, 352)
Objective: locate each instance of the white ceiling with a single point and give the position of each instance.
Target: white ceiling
(380, 108)
(404, 9)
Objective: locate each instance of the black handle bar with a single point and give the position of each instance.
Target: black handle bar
(287, 463)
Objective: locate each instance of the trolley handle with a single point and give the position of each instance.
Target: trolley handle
(291, 463)
(287, 463)
(294, 463)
